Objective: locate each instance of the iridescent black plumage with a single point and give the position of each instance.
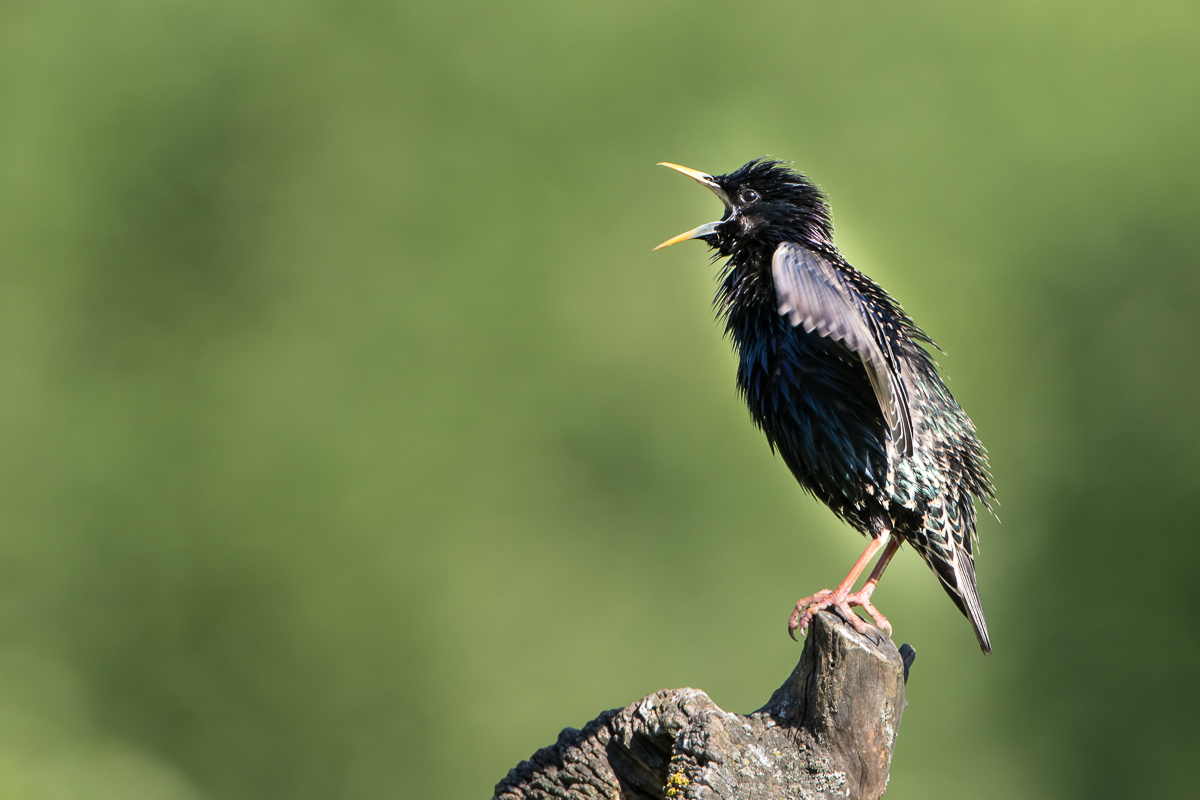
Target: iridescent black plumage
(838, 378)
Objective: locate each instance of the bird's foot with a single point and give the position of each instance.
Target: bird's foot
(808, 607)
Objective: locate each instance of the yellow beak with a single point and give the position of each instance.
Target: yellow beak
(704, 179)
(707, 229)
(694, 174)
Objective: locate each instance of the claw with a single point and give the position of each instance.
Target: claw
(805, 608)
(808, 607)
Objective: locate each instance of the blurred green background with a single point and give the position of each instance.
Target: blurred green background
(353, 442)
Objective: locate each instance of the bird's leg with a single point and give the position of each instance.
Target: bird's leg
(863, 596)
(809, 606)
(842, 599)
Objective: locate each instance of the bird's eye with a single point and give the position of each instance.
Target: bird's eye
(748, 196)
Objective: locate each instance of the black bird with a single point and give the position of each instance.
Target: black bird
(838, 377)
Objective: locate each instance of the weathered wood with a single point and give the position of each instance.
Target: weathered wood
(828, 732)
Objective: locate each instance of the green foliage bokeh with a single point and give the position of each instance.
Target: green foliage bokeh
(352, 441)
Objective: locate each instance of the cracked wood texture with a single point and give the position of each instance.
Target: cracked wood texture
(827, 732)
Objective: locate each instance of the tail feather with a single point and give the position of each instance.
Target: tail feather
(966, 596)
(945, 544)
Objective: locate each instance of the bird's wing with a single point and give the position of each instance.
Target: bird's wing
(814, 296)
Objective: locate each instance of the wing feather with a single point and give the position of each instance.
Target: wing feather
(812, 295)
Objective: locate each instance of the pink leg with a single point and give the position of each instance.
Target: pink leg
(863, 596)
(842, 599)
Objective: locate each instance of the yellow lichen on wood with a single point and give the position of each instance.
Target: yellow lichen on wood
(676, 784)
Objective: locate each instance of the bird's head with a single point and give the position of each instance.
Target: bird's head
(766, 202)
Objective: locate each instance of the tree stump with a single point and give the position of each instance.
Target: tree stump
(828, 732)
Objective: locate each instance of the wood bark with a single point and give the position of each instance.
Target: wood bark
(827, 732)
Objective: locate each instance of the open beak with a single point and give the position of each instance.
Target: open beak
(708, 228)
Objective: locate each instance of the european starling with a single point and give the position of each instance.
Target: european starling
(838, 377)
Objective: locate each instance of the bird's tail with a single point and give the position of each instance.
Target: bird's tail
(965, 594)
(947, 549)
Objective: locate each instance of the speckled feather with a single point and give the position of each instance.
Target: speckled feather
(815, 339)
